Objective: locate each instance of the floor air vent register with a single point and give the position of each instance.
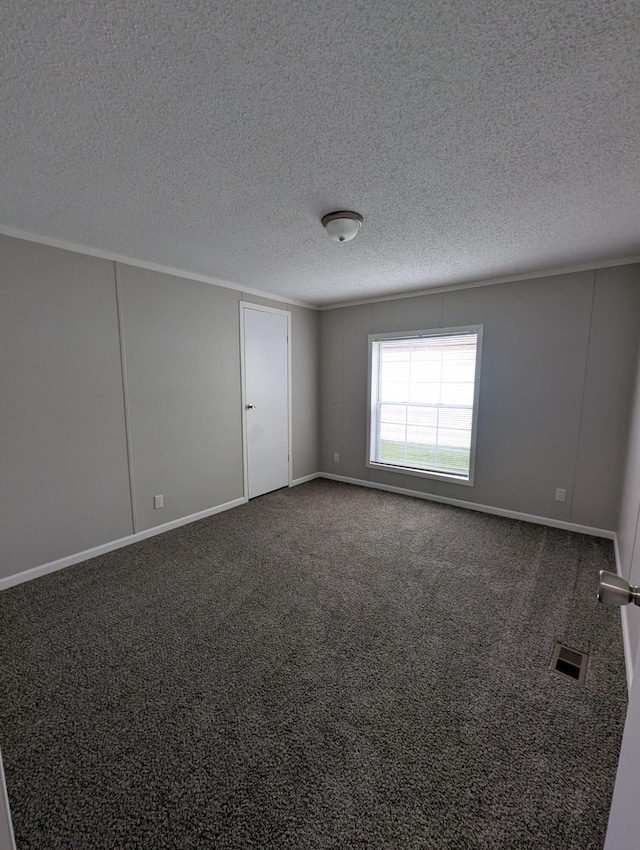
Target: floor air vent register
(569, 662)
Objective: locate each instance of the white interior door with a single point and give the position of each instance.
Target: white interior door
(624, 817)
(266, 398)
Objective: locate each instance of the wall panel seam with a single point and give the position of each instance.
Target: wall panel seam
(584, 391)
(125, 395)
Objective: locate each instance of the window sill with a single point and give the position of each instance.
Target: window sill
(423, 473)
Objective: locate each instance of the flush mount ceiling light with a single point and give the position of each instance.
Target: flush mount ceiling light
(343, 226)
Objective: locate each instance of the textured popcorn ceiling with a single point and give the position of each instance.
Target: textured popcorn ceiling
(477, 139)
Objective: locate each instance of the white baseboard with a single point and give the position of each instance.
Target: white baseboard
(304, 479)
(624, 614)
(78, 557)
(485, 509)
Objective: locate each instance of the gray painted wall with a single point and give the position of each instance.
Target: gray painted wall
(305, 367)
(182, 345)
(64, 474)
(64, 482)
(608, 393)
(558, 364)
(557, 371)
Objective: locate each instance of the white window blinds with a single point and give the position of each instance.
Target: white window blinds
(422, 401)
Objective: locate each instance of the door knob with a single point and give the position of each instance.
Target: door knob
(614, 590)
(251, 407)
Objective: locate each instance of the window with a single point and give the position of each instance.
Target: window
(424, 402)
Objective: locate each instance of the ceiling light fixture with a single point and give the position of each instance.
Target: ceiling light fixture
(342, 226)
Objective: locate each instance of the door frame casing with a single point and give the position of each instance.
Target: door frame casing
(248, 305)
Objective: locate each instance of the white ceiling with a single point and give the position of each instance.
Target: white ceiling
(478, 138)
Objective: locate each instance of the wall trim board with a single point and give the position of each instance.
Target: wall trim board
(305, 479)
(78, 557)
(624, 615)
(485, 509)
(490, 281)
(53, 242)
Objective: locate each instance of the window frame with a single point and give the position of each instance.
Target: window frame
(420, 473)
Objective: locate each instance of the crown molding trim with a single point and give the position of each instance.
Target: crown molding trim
(473, 284)
(143, 264)
(260, 293)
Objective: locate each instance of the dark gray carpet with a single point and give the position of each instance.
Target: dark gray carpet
(325, 667)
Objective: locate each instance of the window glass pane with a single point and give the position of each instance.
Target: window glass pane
(426, 370)
(448, 438)
(455, 461)
(423, 392)
(392, 352)
(424, 351)
(392, 432)
(456, 371)
(393, 413)
(395, 392)
(422, 397)
(457, 394)
(425, 416)
(455, 417)
(394, 373)
(422, 436)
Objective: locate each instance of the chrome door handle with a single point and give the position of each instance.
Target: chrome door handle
(251, 407)
(614, 590)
